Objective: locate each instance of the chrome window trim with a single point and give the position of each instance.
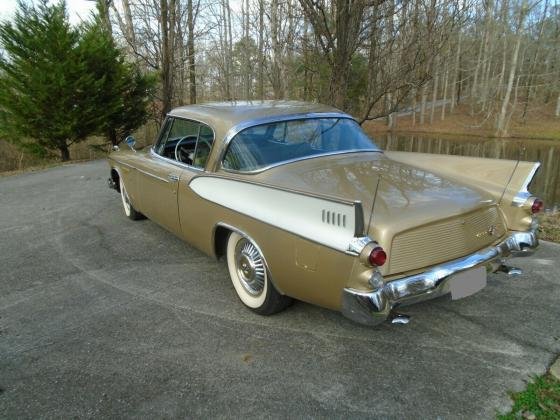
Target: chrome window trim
(523, 194)
(300, 159)
(175, 162)
(232, 132)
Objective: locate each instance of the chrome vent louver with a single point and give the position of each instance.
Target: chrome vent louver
(333, 218)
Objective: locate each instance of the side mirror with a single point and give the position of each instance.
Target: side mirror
(131, 141)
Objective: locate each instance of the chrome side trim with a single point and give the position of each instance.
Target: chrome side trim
(523, 194)
(128, 165)
(374, 307)
(152, 175)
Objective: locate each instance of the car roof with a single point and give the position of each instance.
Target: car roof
(226, 115)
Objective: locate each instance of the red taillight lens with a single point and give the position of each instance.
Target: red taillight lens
(537, 206)
(377, 256)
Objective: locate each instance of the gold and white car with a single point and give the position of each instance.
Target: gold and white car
(302, 204)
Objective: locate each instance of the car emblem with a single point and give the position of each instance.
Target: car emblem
(491, 231)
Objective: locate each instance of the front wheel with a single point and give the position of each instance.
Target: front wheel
(250, 277)
(130, 211)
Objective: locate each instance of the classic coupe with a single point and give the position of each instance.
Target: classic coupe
(303, 205)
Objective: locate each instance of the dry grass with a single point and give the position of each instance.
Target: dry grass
(13, 160)
(549, 229)
(540, 124)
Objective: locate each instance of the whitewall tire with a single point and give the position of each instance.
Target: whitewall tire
(129, 210)
(251, 278)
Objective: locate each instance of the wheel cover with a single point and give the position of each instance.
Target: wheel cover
(249, 266)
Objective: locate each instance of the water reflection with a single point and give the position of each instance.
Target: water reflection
(546, 183)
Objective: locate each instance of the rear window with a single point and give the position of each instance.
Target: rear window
(273, 143)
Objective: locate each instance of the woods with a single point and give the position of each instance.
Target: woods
(368, 57)
(491, 60)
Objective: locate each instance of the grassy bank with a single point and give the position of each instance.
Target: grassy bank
(539, 124)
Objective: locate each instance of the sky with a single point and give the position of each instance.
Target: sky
(77, 9)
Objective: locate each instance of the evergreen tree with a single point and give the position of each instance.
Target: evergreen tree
(124, 82)
(59, 84)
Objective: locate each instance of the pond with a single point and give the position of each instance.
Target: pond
(546, 183)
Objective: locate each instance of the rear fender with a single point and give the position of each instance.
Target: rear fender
(506, 180)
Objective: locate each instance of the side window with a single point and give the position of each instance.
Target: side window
(186, 141)
(204, 146)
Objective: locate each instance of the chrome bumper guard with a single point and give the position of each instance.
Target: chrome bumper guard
(374, 307)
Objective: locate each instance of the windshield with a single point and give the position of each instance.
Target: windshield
(269, 144)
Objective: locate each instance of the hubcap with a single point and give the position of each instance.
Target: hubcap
(250, 267)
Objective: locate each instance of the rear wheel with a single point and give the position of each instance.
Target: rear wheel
(250, 277)
(129, 211)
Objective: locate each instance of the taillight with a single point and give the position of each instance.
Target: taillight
(377, 256)
(537, 206)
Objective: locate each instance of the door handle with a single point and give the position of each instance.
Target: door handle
(173, 177)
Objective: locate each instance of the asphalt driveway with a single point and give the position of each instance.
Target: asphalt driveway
(102, 316)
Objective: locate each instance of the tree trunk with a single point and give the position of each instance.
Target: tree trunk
(64, 152)
(423, 99)
(306, 87)
(443, 105)
(434, 98)
(487, 55)
(230, 50)
(260, 64)
(167, 22)
(129, 24)
(103, 7)
(276, 76)
(388, 105)
(456, 71)
(246, 55)
(557, 113)
(191, 53)
(501, 126)
(532, 68)
(414, 105)
(112, 135)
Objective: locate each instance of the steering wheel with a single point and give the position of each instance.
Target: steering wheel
(179, 156)
(206, 142)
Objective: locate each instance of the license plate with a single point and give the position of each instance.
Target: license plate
(467, 283)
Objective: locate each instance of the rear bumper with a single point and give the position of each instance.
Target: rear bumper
(374, 307)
